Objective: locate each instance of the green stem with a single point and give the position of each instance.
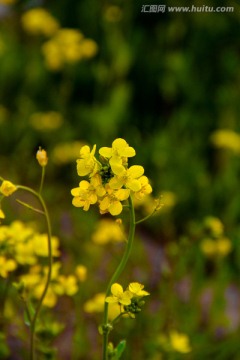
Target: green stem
(116, 275)
(39, 305)
(42, 179)
(145, 218)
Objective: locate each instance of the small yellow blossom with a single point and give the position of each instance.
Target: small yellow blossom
(41, 157)
(136, 289)
(7, 188)
(226, 139)
(38, 21)
(145, 189)
(6, 266)
(119, 296)
(86, 194)
(180, 342)
(112, 201)
(81, 272)
(88, 48)
(118, 154)
(214, 225)
(87, 163)
(127, 177)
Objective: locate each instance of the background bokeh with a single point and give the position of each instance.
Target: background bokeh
(168, 83)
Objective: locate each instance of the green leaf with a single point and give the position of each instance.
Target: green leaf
(120, 349)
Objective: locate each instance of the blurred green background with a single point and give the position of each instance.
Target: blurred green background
(168, 83)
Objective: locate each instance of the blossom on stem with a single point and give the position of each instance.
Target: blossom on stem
(136, 289)
(145, 189)
(119, 296)
(87, 163)
(7, 188)
(118, 153)
(112, 201)
(128, 178)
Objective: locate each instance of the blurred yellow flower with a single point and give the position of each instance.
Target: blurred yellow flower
(107, 230)
(216, 247)
(39, 21)
(96, 305)
(7, 188)
(226, 139)
(179, 342)
(214, 225)
(40, 245)
(67, 46)
(81, 272)
(64, 153)
(113, 13)
(6, 266)
(66, 285)
(46, 121)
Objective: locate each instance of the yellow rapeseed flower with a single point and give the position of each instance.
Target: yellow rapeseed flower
(127, 177)
(87, 163)
(145, 189)
(118, 154)
(6, 266)
(226, 139)
(107, 230)
(39, 21)
(46, 121)
(85, 195)
(179, 342)
(81, 272)
(112, 201)
(136, 289)
(119, 296)
(7, 188)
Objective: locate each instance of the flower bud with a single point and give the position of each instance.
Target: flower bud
(42, 157)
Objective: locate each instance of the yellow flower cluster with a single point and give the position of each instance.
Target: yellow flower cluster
(46, 121)
(107, 231)
(215, 244)
(226, 139)
(111, 181)
(130, 299)
(23, 248)
(67, 46)
(175, 341)
(39, 21)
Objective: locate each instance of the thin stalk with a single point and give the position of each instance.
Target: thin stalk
(116, 275)
(42, 179)
(49, 233)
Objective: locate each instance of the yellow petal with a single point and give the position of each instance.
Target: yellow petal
(116, 289)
